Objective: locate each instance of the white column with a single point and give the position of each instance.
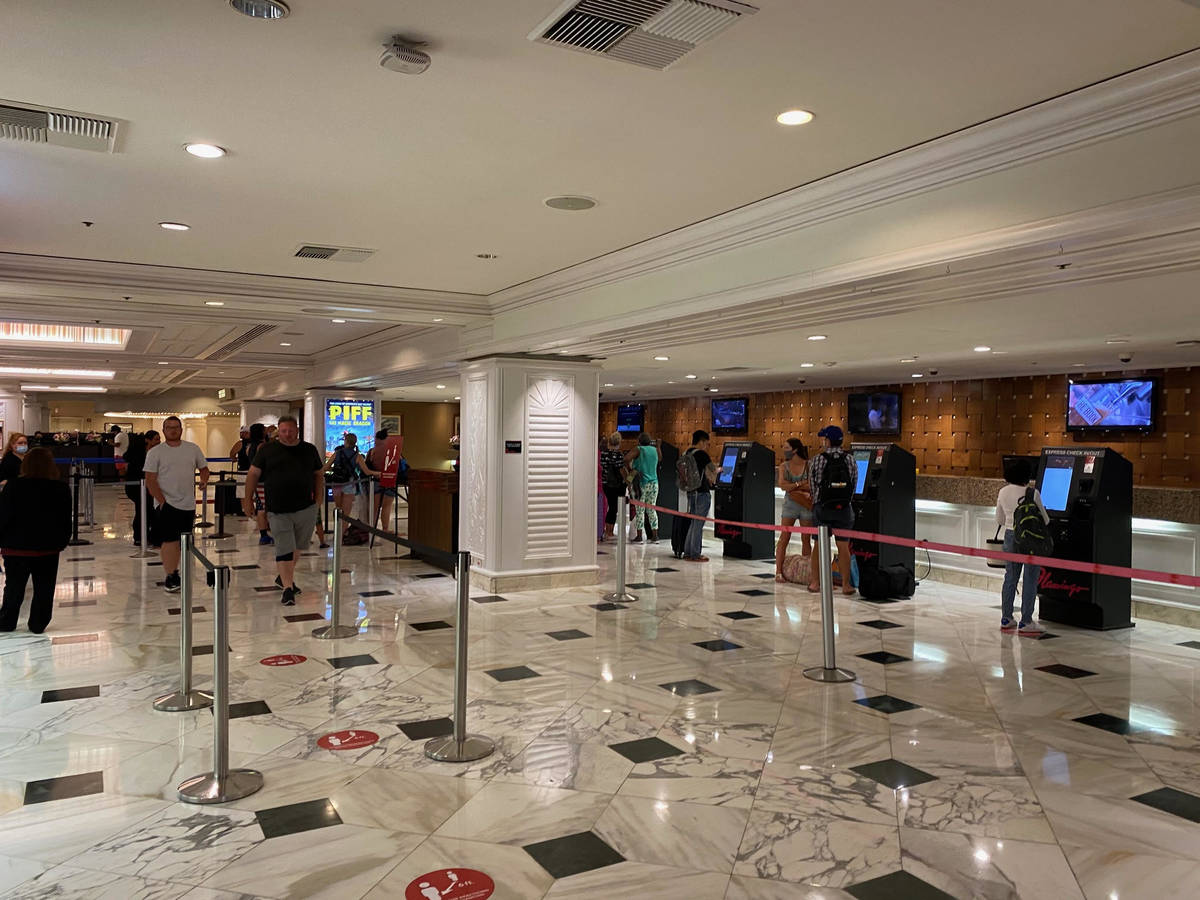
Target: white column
(527, 483)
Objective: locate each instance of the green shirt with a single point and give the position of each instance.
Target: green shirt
(646, 463)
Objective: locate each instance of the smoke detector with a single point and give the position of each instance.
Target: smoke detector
(404, 56)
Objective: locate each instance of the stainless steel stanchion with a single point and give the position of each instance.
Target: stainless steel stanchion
(220, 534)
(89, 495)
(460, 746)
(185, 698)
(370, 516)
(222, 784)
(76, 540)
(144, 552)
(204, 523)
(620, 595)
(335, 629)
(829, 672)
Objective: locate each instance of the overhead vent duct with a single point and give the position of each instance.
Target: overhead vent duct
(650, 33)
(246, 337)
(339, 254)
(57, 127)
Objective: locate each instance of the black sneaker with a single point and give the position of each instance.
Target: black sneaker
(289, 597)
(172, 583)
(279, 584)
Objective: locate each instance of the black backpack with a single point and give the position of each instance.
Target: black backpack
(342, 470)
(1031, 534)
(837, 484)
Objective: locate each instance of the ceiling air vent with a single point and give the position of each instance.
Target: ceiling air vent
(246, 337)
(59, 127)
(340, 254)
(650, 33)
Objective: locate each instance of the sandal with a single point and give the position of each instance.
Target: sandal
(779, 579)
(814, 589)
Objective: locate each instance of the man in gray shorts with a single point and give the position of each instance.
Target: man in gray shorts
(293, 477)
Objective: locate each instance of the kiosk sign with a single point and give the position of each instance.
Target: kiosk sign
(450, 884)
(357, 416)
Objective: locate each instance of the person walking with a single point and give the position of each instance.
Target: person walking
(171, 480)
(792, 479)
(135, 460)
(293, 477)
(831, 478)
(1019, 477)
(699, 501)
(644, 461)
(347, 468)
(14, 453)
(35, 525)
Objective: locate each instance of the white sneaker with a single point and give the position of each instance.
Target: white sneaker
(1031, 629)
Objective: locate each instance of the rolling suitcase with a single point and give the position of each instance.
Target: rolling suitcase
(679, 530)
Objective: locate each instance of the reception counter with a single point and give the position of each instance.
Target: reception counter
(433, 512)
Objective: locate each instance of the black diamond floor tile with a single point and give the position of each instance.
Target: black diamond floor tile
(490, 598)
(1065, 671)
(573, 854)
(1192, 645)
(427, 728)
(154, 562)
(373, 593)
(646, 749)
(896, 886)
(202, 649)
(881, 624)
(885, 703)
(642, 586)
(64, 787)
(880, 602)
(570, 634)
(433, 575)
(1048, 636)
(80, 578)
(606, 607)
(689, 688)
(297, 817)
(1105, 722)
(75, 693)
(265, 588)
(884, 658)
(349, 662)
(893, 773)
(763, 575)
(739, 614)
(435, 625)
(513, 673)
(245, 567)
(304, 617)
(717, 645)
(228, 550)
(176, 610)
(249, 708)
(74, 603)
(1176, 802)
(81, 559)
(754, 592)
(665, 569)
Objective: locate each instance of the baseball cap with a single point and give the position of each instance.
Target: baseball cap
(832, 432)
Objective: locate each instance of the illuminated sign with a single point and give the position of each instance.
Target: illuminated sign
(357, 416)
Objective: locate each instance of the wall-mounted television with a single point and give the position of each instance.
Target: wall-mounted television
(631, 418)
(877, 413)
(730, 415)
(1123, 404)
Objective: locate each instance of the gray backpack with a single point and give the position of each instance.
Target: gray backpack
(687, 472)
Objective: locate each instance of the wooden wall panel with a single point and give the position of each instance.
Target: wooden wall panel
(962, 427)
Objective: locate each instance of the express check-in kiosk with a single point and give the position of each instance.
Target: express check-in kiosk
(885, 502)
(745, 492)
(1088, 492)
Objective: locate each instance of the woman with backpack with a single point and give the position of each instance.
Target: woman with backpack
(612, 472)
(347, 468)
(1019, 511)
(792, 479)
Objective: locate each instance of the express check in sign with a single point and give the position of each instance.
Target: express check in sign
(357, 416)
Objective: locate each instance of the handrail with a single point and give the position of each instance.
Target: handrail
(202, 559)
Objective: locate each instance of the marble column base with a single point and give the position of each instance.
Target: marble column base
(533, 580)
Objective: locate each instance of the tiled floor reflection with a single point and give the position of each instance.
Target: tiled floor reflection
(667, 748)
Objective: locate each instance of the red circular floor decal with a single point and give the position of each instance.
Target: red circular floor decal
(347, 740)
(450, 884)
(284, 659)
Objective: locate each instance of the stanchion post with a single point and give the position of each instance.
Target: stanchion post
(371, 505)
(222, 784)
(204, 523)
(460, 746)
(621, 595)
(185, 698)
(219, 534)
(144, 551)
(76, 540)
(335, 629)
(829, 672)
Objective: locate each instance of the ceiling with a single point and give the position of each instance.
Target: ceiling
(327, 147)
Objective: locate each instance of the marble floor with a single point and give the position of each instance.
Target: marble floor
(666, 749)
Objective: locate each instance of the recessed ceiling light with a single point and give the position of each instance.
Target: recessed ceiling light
(164, 363)
(338, 321)
(205, 151)
(439, 319)
(691, 377)
(999, 353)
(794, 117)
(1078, 365)
(36, 387)
(570, 202)
(817, 337)
(441, 387)
(82, 388)
(713, 390)
(1116, 341)
(214, 302)
(284, 344)
(609, 384)
(564, 352)
(57, 373)
(982, 349)
(662, 358)
(261, 9)
(458, 398)
(911, 359)
(174, 226)
(807, 365)
(917, 375)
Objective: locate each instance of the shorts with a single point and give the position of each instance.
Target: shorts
(169, 522)
(292, 530)
(349, 488)
(793, 510)
(836, 518)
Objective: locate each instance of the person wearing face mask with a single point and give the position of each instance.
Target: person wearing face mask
(792, 479)
(14, 452)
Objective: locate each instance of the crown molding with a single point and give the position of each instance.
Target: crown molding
(1145, 98)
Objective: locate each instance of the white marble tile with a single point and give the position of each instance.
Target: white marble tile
(396, 800)
(696, 778)
(833, 792)
(741, 888)
(58, 830)
(968, 866)
(819, 850)
(14, 871)
(72, 883)
(1000, 807)
(563, 764)
(1104, 874)
(631, 879)
(523, 814)
(514, 871)
(667, 833)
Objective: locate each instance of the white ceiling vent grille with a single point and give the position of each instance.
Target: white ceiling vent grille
(340, 254)
(246, 337)
(58, 127)
(650, 33)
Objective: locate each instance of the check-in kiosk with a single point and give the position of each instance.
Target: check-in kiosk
(668, 485)
(885, 502)
(1088, 492)
(745, 492)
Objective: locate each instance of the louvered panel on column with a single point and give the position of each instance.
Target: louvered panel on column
(548, 469)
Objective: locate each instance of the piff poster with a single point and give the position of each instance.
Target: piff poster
(357, 416)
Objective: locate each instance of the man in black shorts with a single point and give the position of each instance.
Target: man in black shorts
(293, 475)
(171, 480)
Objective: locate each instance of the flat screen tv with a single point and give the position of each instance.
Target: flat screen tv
(1125, 404)
(631, 418)
(877, 413)
(729, 415)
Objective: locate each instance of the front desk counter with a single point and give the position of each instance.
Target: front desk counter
(433, 512)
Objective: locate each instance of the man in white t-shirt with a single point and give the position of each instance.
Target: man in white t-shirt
(120, 441)
(171, 480)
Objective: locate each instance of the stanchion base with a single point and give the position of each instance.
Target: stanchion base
(204, 525)
(219, 536)
(472, 747)
(207, 788)
(625, 597)
(331, 632)
(181, 702)
(829, 676)
(144, 554)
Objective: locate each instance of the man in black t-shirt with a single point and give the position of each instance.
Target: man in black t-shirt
(699, 500)
(293, 476)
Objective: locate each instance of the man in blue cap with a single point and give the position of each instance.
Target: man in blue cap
(831, 476)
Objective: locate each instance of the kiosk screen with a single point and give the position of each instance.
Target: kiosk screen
(862, 461)
(1056, 482)
(728, 464)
